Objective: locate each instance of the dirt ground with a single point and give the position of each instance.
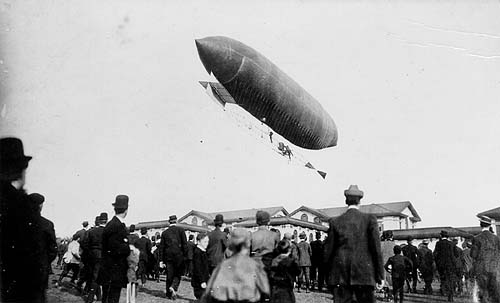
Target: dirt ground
(154, 292)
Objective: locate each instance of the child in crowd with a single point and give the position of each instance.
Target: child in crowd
(200, 272)
(133, 262)
(71, 260)
(398, 265)
(284, 270)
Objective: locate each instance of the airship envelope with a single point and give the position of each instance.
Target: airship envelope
(266, 92)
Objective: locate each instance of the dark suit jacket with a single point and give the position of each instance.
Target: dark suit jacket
(200, 268)
(94, 242)
(353, 250)
(485, 253)
(317, 252)
(411, 252)
(216, 246)
(173, 245)
(21, 247)
(445, 256)
(400, 265)
(49, 246)
(115, 250)
(144, 245)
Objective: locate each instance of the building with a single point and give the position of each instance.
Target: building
(390, 216)
(198, 218)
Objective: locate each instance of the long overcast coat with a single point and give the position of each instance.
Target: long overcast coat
(352, 250)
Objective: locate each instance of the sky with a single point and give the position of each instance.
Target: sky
(105, 96)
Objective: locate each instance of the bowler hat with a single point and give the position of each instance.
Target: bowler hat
(37, 198)
(353, 191)
(144, 230)
(219, 219)
(103, 218)
(85, 223)
(262, 217)
(302, 235)
(444, 233)
(484, 219)
(97, 220)
(12, 157)
(121, 201)
(172, 219)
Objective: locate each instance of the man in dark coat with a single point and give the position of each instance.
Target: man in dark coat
(445, 258)
(426, 266)
(353, 253)
(317, 272)
(115, 250)
(48, 238)
(80, 233)
(217, 243)
(144, 246)
(485, 253)
(173, 251)
(21, 245)
(190, 254)
(132, 236)
(94, 243)
(411, 252)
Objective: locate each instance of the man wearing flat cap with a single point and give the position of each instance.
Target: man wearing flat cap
(217, 243)
(21, 246)
(411, 252)
(485, 253)
(173, 252)
(445, 257)
(426, 266)
(94, 242)
(263, 241)
(115, 250)
(353, 252)
(49, 243)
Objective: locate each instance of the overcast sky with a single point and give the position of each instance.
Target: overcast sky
(105, 96)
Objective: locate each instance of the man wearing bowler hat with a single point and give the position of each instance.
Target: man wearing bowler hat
(115, 250)
(217, 243)
(94, 242)
(485, 253)
(22, 263)
(144, 245)
(173, 251)
(353, 254)
(445, 257)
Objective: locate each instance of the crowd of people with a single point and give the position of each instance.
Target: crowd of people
(227, 265)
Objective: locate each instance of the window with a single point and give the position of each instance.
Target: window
(304, 217)
(203, 223)
(311, 238)
(194, 221)
(317, 220)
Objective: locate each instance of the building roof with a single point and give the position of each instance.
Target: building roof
(282, 221)
(430, 232)
(235, 215)
(313, 211)
(165, 224)
(492, 213)
(378, 209)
